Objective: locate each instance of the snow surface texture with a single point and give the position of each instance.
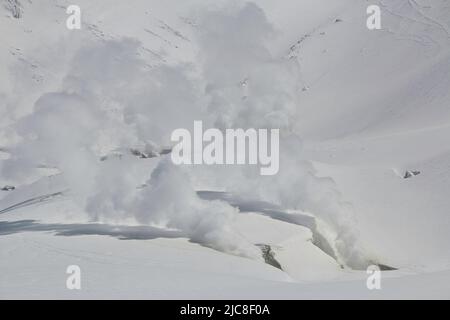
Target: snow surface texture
(85, 123)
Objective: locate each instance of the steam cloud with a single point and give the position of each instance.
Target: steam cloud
(110, 100)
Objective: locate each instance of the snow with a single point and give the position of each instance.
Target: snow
(356, 109)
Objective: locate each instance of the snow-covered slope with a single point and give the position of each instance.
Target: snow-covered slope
(357, 109)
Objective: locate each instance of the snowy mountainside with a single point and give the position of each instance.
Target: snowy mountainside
(85, 123)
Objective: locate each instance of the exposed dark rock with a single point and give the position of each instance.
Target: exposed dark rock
(384, 267)
(410, 174)
(8, 188)
(269, 256)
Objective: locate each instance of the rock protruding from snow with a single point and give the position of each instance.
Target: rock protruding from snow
(269, 256)
(411, 173)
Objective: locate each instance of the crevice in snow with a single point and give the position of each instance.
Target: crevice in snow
(32, 201)
(277, 213)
